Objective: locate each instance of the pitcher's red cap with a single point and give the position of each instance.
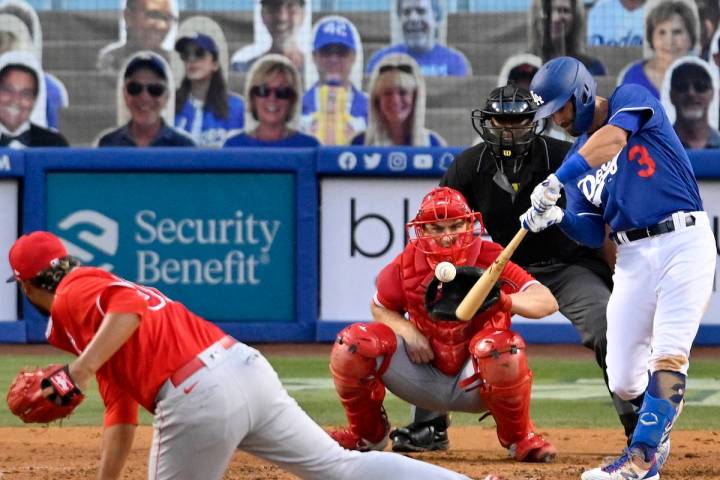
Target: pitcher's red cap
(33, 253)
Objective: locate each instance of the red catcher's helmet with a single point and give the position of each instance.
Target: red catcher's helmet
(440, 205)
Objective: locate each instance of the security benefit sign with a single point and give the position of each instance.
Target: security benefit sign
(222, 244)
(362, 223)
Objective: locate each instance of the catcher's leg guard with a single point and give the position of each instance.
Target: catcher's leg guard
(357, 382)
(500, 361)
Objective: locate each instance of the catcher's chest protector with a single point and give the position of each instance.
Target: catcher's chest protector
(449, 339)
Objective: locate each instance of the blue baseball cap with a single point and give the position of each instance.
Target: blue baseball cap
(334, 31)
(147, 61)
(200, 39)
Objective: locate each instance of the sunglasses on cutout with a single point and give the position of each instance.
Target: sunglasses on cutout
(196, 53)
(403, 68)
(699, 86)
(154, 89)
(281, 93)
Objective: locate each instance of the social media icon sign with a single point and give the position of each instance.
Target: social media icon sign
(397, 161)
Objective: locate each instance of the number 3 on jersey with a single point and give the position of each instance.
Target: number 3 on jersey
(641, 154)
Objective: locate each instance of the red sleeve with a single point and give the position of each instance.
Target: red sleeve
(390, 293)
(54, 332)
(122, 299)
(514, 278)
(120, 407)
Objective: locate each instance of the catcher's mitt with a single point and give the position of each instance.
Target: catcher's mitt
(441, 302)
(26, 400)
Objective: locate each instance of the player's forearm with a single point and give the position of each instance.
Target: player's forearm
(114, 331)
(116, 444)
(586, 229)
(536, 301)
(395, 320)
(603, 145)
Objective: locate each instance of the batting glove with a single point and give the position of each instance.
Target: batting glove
(545, 195)
(536, 222)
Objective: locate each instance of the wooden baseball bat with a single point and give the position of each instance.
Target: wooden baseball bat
(479, 292)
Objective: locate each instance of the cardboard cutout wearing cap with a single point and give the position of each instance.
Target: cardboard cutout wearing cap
(206, 26)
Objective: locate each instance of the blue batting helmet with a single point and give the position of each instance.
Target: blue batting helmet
(562, 79)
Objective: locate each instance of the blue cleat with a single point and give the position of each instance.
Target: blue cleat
(629, 466)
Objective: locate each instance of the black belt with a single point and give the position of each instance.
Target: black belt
(658, 229)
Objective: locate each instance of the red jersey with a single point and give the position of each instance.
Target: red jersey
(401, 287)
(168, 337)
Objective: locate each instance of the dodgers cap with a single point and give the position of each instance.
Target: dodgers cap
(334, 31)
(200, 39)
(145, 61)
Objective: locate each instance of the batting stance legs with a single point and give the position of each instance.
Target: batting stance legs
(497, 379)
(265, 421)
(662, 286)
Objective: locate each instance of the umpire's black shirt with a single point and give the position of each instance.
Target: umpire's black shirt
(472, 173)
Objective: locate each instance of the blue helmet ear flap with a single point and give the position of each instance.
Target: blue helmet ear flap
(585, 88)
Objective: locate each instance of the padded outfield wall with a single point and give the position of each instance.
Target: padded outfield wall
(272, 245)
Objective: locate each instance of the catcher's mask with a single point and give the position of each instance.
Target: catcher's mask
(506, 122)
(445, 227)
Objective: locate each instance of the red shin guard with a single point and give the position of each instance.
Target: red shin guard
(357, 380)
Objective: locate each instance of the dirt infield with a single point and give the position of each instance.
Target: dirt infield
(73, 453)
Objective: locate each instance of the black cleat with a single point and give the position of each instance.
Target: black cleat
(421, 436)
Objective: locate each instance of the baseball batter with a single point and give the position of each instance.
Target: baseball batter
(418, 349)
(209, 392)
(629, 170)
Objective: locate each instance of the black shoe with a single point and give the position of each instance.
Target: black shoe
(421, 436)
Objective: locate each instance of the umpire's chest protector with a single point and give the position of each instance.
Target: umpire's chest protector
(449, 339)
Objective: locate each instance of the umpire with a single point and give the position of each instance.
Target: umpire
(497, 177)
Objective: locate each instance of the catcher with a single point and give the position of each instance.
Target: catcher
(210, 393)
(418, 349)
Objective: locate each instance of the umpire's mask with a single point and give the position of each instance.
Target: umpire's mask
(506, 122)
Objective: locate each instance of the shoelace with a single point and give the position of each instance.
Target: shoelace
(617, 464)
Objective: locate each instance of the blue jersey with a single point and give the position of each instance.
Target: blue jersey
(649, 180)
(204, 127)
(297, 139)
(636, 75)
(441, 61)
(56, 100)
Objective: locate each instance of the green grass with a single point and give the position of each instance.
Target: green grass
(322, 404)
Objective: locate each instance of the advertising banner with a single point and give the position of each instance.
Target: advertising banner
(222, 244)
(8, 234)
(362, 228)
(710, 193)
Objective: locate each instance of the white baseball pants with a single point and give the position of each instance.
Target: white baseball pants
(236, 401)
(662, 285)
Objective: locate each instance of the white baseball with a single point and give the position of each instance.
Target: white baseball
(445, 272)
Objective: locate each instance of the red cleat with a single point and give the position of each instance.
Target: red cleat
(533, 448)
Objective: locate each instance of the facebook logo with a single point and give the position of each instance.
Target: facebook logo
(347, 161)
